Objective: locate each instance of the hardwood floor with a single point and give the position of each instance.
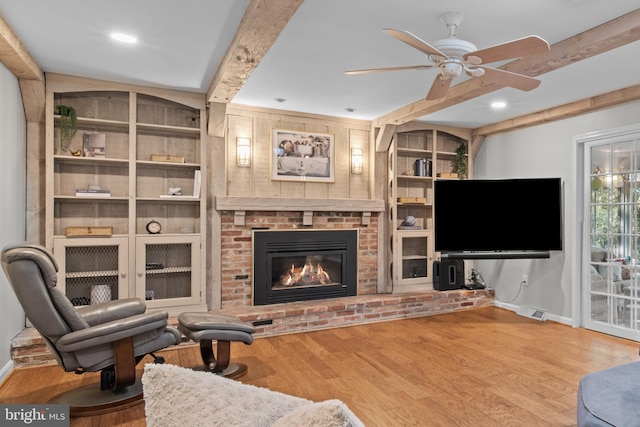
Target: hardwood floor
(481, 367)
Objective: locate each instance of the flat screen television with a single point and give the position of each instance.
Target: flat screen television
(498, 218)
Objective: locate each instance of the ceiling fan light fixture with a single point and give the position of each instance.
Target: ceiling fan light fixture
(451, 69)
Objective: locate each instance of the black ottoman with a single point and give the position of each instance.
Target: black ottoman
(206, 327)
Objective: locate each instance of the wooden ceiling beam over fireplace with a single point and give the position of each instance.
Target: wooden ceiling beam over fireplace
(262, 23)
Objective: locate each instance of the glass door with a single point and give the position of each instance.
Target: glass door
(611, 295)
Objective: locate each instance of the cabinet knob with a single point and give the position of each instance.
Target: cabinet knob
(139, 274)
(123, 275)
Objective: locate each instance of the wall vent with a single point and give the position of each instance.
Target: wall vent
(533, 313)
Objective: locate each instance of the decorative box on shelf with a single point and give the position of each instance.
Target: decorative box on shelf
(167, 158)
(413, 200)
(89, 231)
(447, 175)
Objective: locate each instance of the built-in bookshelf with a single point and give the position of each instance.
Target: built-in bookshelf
(137, 157)
(417, 156)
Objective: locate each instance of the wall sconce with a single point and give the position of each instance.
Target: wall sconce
(243, 152)
(356, 161)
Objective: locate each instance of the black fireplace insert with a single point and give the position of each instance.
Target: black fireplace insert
(302, 265)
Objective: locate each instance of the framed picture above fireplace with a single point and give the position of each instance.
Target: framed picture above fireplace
(302, 156)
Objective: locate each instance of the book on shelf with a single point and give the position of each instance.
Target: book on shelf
(84, 192)
(197, 183)
(177, 196)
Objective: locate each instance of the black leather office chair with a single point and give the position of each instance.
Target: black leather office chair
(110, 337)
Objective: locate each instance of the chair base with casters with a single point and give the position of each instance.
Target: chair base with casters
(204, 328)
(105, 396)
(90, 400)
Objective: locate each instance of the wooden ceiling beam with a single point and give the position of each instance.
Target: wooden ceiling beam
(610, 35)
(262, 23)
(571, 109)
(15, 56)
(19, 61)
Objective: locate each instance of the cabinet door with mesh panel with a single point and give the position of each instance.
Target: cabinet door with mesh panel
(92, 270)
(168, 270)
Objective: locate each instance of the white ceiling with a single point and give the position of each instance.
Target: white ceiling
(182, 43)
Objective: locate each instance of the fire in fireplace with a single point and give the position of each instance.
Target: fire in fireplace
(309, 273)
(302, 265)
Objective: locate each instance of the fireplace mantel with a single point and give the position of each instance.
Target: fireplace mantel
(240, 205)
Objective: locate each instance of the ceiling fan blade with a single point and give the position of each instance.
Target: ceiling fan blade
(439, 88)
(414, 41)
(378, 70)
(526, 46)
(507, 78)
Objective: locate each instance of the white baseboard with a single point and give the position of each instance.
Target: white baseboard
(6, 370)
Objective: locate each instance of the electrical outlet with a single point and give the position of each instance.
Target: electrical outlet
(524, 279)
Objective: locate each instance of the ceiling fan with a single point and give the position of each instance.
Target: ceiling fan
(453, 55)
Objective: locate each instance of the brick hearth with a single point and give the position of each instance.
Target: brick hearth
(28, 348)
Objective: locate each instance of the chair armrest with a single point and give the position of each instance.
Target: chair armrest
(113, 331)
(111, 310)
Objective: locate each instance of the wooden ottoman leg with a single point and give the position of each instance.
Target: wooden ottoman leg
(220, 365)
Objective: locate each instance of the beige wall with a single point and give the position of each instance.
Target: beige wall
(257, 124)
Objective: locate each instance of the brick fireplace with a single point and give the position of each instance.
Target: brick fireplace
(236, 248)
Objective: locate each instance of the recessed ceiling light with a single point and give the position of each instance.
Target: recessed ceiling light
(124, 38)
(498, 104)
(350, 110)
(280, 99)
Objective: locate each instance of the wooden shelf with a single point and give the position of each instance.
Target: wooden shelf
(164, 165)
(163, 130)
(413, 152)
(91, 199)
(90, 161)
(101, 124)
(415, 178)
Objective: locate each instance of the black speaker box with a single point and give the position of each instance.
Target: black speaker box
(448, 274)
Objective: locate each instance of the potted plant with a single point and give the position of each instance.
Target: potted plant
(460, 165)
(68, 124)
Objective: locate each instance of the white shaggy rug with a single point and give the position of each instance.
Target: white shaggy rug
(176, 396)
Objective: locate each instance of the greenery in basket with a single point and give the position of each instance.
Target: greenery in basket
(68, 124)
(460, 163)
